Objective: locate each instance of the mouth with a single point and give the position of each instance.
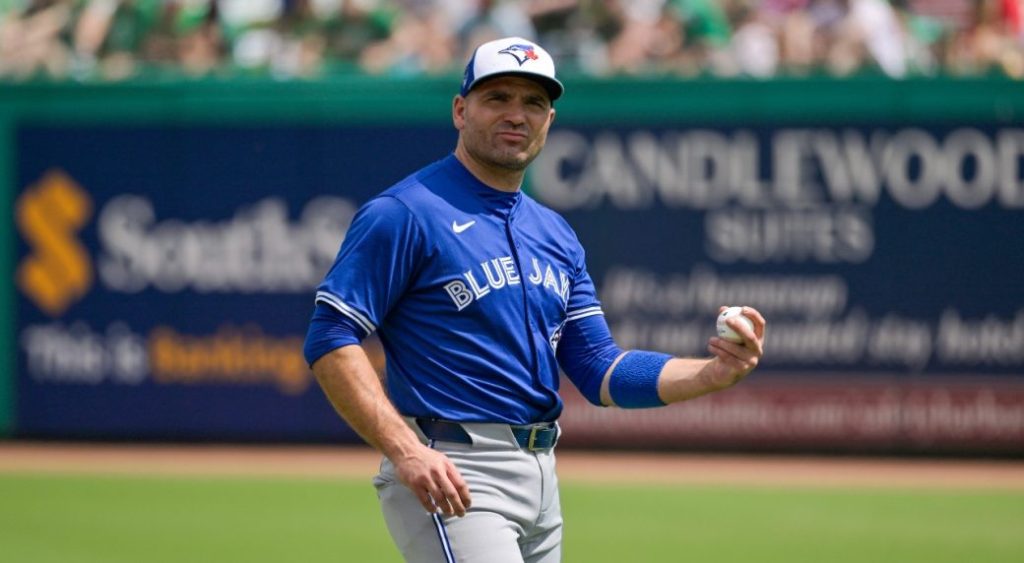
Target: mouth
(512, 135)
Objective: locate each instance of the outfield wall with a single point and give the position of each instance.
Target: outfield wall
(167, 238)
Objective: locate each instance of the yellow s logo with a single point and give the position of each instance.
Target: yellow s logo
(49, 214)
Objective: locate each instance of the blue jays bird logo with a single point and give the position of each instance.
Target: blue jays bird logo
(521, 52)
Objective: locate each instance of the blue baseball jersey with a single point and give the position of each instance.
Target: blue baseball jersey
(469, 289)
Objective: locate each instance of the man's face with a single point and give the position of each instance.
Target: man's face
(504, 122)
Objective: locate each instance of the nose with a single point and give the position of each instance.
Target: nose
(515, 113)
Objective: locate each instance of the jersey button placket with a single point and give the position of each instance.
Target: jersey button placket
(528, 323)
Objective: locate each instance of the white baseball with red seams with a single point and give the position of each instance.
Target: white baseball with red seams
(725, 331)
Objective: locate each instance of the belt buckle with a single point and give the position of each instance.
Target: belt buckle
(531, 443)
(533, 438)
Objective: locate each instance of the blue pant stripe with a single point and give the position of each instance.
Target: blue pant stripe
(442, 534)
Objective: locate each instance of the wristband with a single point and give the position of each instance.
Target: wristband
(634, 381)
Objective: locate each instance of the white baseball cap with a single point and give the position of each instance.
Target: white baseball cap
(512, 56)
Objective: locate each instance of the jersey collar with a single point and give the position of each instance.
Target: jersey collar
(493, 199)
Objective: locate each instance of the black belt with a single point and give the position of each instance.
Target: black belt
(532, 437)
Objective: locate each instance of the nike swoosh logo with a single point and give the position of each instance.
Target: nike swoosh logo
(459, 228)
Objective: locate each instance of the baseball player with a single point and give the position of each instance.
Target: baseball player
(479, 294)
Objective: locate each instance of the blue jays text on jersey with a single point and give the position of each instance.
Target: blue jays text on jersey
(499, 273)
(469, 289)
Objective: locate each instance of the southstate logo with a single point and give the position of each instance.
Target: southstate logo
(57, 272)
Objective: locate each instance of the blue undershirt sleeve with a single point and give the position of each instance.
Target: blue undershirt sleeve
(585, 352)
(329, 330)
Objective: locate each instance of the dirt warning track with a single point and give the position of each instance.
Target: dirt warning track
(574, 466)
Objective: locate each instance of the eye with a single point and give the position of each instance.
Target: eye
(537, 102)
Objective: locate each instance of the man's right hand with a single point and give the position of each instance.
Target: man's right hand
(353, 387)
(434, 480)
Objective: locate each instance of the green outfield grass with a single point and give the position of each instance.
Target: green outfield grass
(72, 519)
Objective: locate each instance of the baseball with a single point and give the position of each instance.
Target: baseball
(725, 331)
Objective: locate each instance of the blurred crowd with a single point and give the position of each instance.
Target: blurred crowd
(119, 39)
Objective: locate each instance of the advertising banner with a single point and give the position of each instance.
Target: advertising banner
(888, 260)
(165, 276)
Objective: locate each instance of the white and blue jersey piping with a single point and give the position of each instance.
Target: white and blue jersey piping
(345, 309)
(582, 313)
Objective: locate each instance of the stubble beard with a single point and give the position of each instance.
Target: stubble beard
(509, 159)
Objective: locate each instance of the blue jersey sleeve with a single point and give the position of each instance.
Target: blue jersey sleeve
(375, 264)
(583, 299)
(329, 330)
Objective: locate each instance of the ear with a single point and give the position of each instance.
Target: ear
(459, 112)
